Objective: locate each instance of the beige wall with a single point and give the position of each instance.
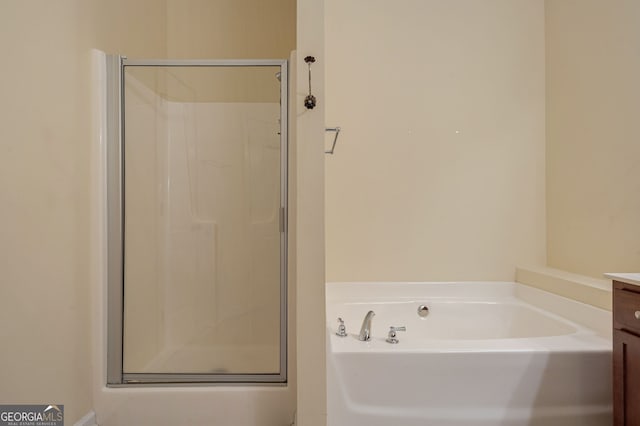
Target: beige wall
(44, 188)
(310, 220)
(593, 135)
(439, 170)
(231, 29)
(45, 139)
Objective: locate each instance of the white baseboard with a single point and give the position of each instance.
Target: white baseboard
(89, 419)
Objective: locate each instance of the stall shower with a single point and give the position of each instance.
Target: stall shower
(197, 184)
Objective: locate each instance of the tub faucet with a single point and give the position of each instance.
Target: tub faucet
(365, 330)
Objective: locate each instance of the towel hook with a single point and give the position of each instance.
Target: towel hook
(335, 139)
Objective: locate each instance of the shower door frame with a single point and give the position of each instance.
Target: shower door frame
(115, 110)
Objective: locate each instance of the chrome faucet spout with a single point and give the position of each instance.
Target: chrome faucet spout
(365, 330)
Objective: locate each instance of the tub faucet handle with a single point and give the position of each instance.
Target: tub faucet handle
(342, 330)
(391, 338)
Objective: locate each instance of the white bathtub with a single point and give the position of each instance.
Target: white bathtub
(487, 354)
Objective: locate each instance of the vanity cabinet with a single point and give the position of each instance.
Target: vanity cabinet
(626, 354)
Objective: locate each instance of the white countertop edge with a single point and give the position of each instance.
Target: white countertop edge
(628, 278)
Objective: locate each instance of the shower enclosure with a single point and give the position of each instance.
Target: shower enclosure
(197, 221)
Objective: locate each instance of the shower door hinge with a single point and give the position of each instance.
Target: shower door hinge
(281, 219)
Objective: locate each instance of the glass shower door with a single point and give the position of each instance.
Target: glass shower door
(204, 221)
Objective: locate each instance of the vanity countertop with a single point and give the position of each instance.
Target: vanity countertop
(628, 278)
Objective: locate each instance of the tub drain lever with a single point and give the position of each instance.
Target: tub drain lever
(391, 338)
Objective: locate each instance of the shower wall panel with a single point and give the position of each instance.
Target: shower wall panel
(147, 124)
